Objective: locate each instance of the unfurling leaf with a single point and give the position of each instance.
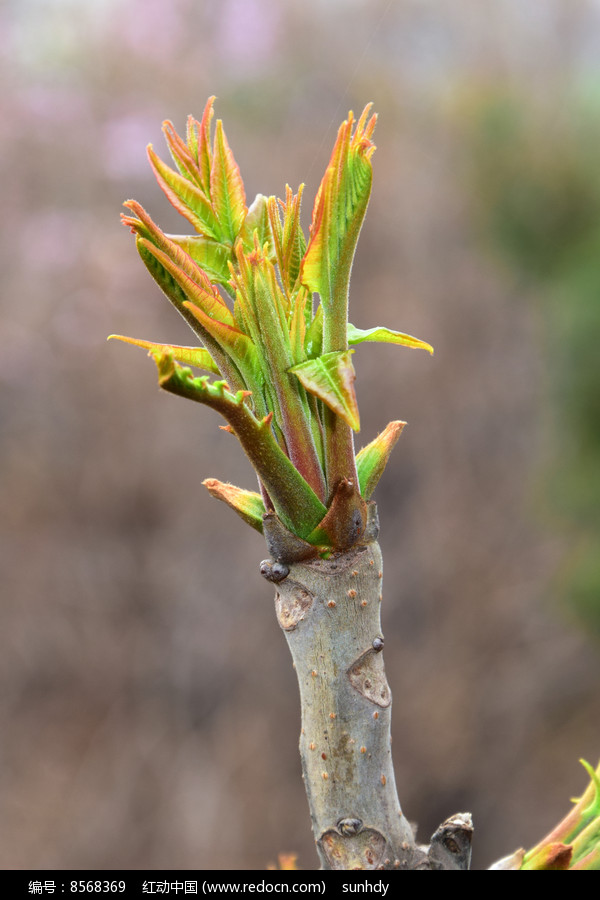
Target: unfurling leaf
(247, 504)
(288, 238)
(244, 282)
(212, 256)
(186, 197)
(262, 310)
(198, 142)
(207, 188)
(193, 281)
(372, 459)
(226, 187)
(385, 336)
(190, 356)
(331, 378)
(233, 342)
(295, 502)
(338, 214)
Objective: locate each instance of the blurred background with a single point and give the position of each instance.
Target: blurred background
(148, 710)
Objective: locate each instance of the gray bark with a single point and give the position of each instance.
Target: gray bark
(329, 611)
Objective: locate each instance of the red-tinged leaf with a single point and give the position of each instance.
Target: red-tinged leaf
(186, 197)
(294, 242)
(270, 306)
(385, 336)
(259, 310)
(226, 188)
(178, 298)
(262, 308)
(276, 227)
(194, 283)
(178, 286)
(247, 504)
(288, 238)
(190, 356)
(191, 140)
(372, 459)
(183, 157)
(177, 249)
(198, 141)
(331, 378)
(338, 214)
(295, 502)
(234, 343)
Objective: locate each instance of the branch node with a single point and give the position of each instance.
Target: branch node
(274, 571)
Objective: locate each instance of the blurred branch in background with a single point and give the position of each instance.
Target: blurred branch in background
(121, 665)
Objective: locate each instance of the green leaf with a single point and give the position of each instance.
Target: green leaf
(592, 794)
(226, 187)
(198, 142)
(178, 298)
(184, 156)
(381, 335)
(263, 309)
(187, 198)
(234, 343)
(207, 189)
(180, 278)
(247, 504)
(313, 343)
(217, 328)
(191, 356)
(587, 841)
(298, 325)
(194, 283)
(212, 256)
(175, 260)
(372, 459)
(331, 378)
(288, 238)
(338, 215)
(295, 502)
(589, 862)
